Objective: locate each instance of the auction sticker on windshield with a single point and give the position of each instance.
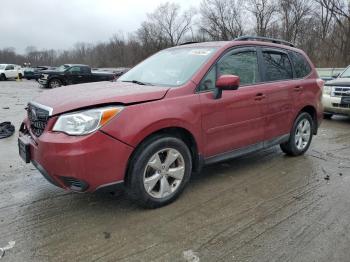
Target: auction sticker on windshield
(203, 52)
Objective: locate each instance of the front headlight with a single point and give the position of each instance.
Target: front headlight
(85, 122)
(328, 90)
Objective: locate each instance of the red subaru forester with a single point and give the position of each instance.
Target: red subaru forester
(178, 110)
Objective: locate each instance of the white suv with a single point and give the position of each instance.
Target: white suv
(336, 95)
(8, 71)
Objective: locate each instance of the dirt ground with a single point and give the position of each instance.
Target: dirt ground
(261, 207)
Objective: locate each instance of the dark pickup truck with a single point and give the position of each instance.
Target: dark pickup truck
(70, 74)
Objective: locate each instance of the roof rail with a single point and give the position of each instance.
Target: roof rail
(188, 43)
(262, 38)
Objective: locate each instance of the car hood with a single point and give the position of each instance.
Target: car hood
(73, 97)
(339, 82)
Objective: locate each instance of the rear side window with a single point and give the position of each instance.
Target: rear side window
(301, 66)
(85, 70)
(277, 66)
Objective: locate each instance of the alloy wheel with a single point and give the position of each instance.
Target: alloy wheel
(302, 134)
(164, 173)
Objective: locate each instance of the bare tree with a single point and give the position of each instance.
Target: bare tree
(221, 19)
(293, 14)
(320, 27)
(340, 10)
(325, 16)
(151, 37)
(263, 12)
(168, 23)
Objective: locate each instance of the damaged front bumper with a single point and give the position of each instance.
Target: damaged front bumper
(77, 163)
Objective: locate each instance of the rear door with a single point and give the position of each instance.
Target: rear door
(278, 88)
(236, 120)
(303, 85)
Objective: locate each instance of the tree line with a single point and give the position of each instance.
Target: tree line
(320, 27)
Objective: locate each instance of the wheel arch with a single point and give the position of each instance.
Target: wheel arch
(313, 113)
(179, 132)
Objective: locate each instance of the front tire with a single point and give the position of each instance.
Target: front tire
(2, 77)
(300, 136)
(54, 83)
(159, 171)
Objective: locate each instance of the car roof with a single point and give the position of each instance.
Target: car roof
(75, 65)
(228, 44)
(10, 64)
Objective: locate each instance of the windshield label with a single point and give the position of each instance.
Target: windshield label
(203, 52)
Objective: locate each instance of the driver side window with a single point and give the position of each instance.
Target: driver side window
(243, 64)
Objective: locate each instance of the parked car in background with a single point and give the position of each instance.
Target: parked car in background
(336, 95)
(10, 71)
(178, 110)
(35, 72)
(328, 74)
(71, 74)
(118, 71)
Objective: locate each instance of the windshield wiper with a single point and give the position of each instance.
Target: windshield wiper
(138, 82)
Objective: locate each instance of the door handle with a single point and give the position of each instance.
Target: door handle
(298, 88)
(259, 96)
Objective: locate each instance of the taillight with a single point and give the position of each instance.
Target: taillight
(320, 83)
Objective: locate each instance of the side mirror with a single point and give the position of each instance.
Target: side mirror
(226, 82)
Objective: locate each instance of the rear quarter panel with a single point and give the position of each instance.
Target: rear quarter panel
(311, 96)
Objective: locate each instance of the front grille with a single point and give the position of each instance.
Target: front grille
(38, 118)
(74, 184)
(341, 91)
(341, 105)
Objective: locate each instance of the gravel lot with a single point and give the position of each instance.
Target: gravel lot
(261, 207)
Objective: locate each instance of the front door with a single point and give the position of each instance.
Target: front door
(236, 120)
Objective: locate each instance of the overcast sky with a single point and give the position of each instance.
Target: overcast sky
(59, 24)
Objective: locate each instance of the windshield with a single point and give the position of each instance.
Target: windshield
(171, 67)
(62, 68)
(2, 66)
(346, 73)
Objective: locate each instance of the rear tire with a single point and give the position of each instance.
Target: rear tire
(300, 137)
(20, 76)
(159, 171)
(2, 77)
(327, 115)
